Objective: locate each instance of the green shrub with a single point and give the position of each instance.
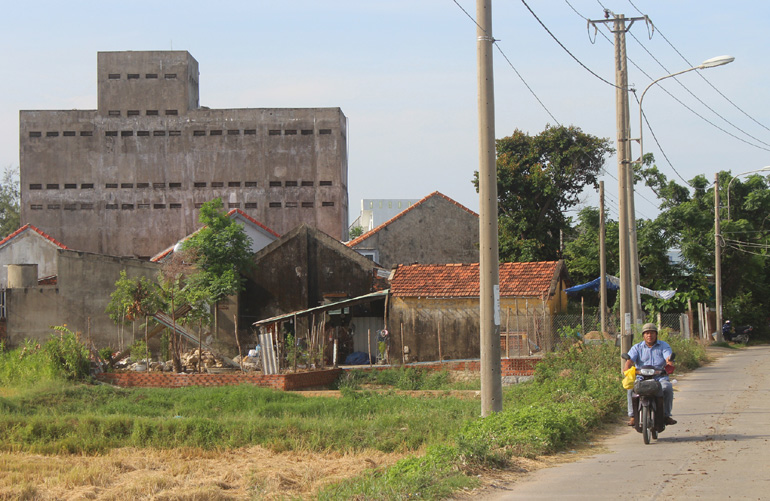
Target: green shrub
(67, 355)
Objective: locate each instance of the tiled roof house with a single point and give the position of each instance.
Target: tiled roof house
(29, 245)
(432, 302)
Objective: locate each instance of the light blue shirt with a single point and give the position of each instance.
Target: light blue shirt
(654, 355)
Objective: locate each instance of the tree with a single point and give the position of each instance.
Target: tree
(9, 202)
(539, 178)
(356, 231)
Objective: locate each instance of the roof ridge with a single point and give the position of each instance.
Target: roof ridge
(29, 226)
(371, 232)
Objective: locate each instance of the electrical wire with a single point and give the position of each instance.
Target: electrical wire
(701, 75)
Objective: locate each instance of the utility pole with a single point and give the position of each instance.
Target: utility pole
(489, 259)
(626, 220)
(602, 262)
(717, 260)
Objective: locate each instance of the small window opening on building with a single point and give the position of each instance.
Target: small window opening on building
(126, 133)
(52, 134)
(151, 75)
(215, 133)
(291, 205)
(234, 184)
(291, 183)
(52, 186)
(151, 113)
(217, 184)
(199, 133)
(233, 132)
(159, 206)
(274, 132)
(175, 133)
(87, 186)
(250, 132)
(327, 204)
(174, 185)
(36, 186)
(36, 206)
(275, 184)
(127, 207)
(170, 75)
(86, 206)
(275, 205)
(54, 207)
(307, 183)
(308, 205)
(250, 205)
(35, 133)
(133, 113)
(114, 113)
(70, 186)
(290, 132)
(199, 184)
(126, 185)
(160, 186)
(142, 185)
(132, 76)
(70, 206)
(234, 205)
(175, 206)
(159, 133)
(250, 184)
(325, 131)
(325, 183)
(142, 206)
(307, 132)
(114, 76)
(68, 133)
(143, 133)
(111, 133)
(111, 206)
(172, 112)
(86, 133)
(198, 205)
(111, 185)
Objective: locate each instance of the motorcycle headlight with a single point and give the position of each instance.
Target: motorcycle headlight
(647, 372)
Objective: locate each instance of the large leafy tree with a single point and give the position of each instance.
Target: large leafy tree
(539, 178)
(9, 202)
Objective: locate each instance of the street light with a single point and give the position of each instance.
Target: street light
(631, 217)
(766, 168)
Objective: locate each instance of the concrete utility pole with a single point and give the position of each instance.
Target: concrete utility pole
(717, 260)
(602, 261)
(489, 258)
(626, 220)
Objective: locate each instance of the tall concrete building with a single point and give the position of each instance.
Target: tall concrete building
(126, 179)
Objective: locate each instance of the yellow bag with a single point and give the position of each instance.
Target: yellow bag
(629, 378)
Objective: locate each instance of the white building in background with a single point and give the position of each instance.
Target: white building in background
(375, 211)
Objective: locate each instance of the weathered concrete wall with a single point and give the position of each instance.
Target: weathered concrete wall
(85, 282)
(28, 247)
(131, 185)
(437, 231)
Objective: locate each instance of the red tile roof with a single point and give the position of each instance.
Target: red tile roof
(36, 230)
(369, 233)
(462, 280)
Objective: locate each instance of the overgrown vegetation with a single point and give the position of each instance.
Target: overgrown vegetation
(573, 392)
(402, 378)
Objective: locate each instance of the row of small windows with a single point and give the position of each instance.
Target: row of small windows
(196, 133)
(136, 113)
(135, 76)
(213, 184)
(198, 205)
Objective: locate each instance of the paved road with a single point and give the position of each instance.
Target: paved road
(718, 450)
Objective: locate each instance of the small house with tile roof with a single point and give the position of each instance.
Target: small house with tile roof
(434, 309)
(434, 230)
(29, 245)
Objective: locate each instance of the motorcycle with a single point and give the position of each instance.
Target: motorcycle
(741, 334)
(648, 407)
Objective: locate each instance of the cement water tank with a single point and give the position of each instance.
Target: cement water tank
(22, 275)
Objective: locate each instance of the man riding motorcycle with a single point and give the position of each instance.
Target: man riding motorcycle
(657, 353)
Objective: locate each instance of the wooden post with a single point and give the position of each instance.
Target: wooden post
(582, 316)
(660, 321)
(508, 332)
(296, 344)
(369, 345)
(238, 342)
(690, 316)
(518, 328)
(403, 361)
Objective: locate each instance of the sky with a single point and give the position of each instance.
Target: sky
(404, 74)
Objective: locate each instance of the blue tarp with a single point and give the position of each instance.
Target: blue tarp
(613, 284)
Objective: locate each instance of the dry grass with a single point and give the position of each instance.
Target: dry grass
(130, 474)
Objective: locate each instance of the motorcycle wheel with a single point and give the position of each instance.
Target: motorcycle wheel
(646, 431)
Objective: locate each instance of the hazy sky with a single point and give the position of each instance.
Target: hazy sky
(404, 73)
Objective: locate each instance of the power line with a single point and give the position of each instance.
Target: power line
(701, 75)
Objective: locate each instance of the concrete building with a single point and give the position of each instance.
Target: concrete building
(126, 179)
(374, 212)
(434, 230)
